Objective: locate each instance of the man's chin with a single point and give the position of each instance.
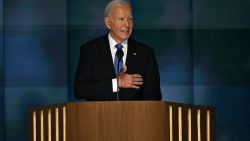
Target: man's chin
(125, 37)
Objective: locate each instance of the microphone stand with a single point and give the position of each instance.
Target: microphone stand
(119, 54)
(117, 81)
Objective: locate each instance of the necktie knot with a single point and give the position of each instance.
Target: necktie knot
(119, 46)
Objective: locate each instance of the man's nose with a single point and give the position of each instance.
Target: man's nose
(127, 23)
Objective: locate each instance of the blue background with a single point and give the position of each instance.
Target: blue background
(202, 47)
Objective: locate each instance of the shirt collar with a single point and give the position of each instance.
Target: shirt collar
(112, 42)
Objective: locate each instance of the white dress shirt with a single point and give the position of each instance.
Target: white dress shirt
(113, 50)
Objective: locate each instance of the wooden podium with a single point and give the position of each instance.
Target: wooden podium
(122, 121)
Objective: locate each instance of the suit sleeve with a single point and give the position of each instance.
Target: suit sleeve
(151, 88)
(85, 87)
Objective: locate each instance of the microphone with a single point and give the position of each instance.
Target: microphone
(119, 55)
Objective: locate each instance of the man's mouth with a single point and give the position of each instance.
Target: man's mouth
(125, 30)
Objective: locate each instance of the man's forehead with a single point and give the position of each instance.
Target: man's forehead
(121, 6)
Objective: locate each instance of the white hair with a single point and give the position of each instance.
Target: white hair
(112, 3)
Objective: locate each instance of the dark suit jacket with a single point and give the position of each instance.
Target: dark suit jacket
(95, 72)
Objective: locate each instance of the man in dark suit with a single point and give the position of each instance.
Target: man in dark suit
(99, 77)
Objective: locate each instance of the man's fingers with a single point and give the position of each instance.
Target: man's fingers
(136, 76)
(136, 87)
(130, 80)
(137, 80)
(137, 83)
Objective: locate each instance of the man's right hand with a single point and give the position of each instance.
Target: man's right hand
(129, 80)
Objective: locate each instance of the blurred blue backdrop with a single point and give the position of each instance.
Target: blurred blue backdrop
(202, 49)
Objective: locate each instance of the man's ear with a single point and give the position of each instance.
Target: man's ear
(107, 22)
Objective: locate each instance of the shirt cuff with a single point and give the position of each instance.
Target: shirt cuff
(114, 84)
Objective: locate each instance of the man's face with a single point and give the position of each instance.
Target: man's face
(120, 22)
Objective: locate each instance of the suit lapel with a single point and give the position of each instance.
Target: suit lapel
(107, 57)
(131, 56)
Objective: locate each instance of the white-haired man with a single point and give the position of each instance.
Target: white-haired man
(99, 76)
